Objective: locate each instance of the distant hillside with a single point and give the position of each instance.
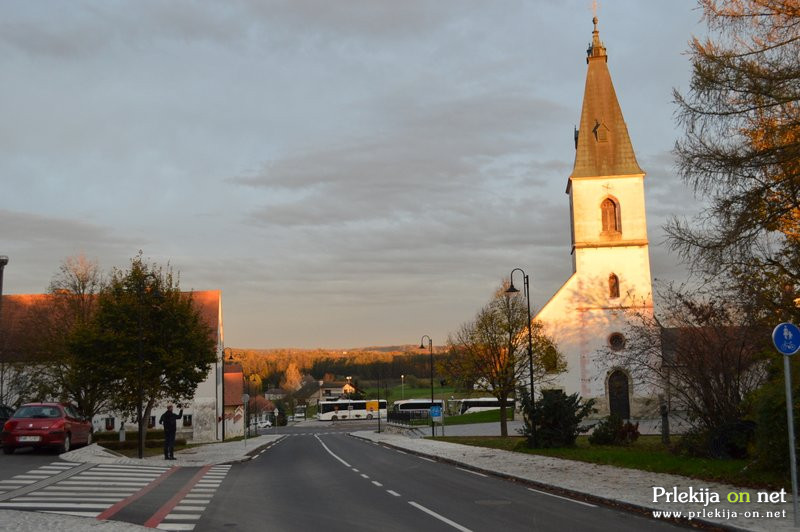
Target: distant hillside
(271, 364)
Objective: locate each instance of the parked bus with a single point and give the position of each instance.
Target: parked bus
(415, 405)
(459, 407)
(350, 409)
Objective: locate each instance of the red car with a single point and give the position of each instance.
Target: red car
(54, 425)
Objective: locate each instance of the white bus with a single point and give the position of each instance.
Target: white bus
(459, 407)
(350, 409)
(416, 406)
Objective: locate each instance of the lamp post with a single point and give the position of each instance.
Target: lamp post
(3, 262)
(512, 290)
(402, 386)
(430, 348)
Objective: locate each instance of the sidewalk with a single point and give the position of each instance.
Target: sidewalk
(603, 484)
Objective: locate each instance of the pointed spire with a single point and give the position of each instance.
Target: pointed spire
(596, 49)
(603, 147)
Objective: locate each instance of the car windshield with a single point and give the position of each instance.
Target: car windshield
(38, 412)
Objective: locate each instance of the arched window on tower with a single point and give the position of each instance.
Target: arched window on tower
(610, 215)
(613, 286)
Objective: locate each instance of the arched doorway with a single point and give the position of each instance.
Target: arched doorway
(618, 400)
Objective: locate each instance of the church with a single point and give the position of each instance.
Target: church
(610, 255)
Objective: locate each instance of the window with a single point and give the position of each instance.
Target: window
(613, 286)
(550, 360)
(610, 216)
(110, 423)
(187, 420)
(616, 341)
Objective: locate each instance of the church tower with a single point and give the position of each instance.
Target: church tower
(610, 254)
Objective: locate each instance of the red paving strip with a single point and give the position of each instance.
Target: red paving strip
(159, 516)
(142, 492)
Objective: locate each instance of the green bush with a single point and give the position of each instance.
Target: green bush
(728, 440)
(113, 435)
(133, 443)
(613, 431)
(556, 417)
(771, 434)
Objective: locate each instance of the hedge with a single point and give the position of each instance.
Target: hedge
(133, 443)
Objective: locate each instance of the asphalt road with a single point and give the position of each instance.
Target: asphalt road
(23, 460)
(320, 478)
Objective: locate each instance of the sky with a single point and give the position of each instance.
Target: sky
(351, 173)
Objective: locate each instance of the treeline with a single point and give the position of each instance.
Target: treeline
(329, 364)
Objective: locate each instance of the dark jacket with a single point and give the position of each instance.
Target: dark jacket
(168, 419)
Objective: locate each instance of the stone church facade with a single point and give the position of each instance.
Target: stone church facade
(610, 254)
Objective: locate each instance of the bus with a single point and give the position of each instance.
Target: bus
(459, 407)
(416, 406)
(351, 409)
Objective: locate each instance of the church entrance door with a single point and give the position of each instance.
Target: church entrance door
(618, 400)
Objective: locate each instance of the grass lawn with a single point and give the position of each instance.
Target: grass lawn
(488, 416)
(647, 453)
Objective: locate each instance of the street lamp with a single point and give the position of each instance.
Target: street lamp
(430, 348)
(3, 262)
(512, 290)
(402, 386)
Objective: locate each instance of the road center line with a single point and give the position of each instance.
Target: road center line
(473, 472)
(377, 483)
(331, 452)
(439, 517)
(565, 498)
(392, 492)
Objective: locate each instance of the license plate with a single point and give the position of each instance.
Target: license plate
(29, 438)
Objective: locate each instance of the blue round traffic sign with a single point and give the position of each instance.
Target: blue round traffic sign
(786, 337)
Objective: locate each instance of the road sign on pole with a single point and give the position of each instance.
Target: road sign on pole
(786, 337)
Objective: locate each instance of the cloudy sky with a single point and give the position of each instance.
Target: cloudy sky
(349, 173)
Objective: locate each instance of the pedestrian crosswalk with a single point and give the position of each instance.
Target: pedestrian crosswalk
(189, 510)
(89, 490)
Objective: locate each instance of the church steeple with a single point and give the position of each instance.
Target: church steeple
(603, 147)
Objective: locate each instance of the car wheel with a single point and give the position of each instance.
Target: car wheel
(334, 418)
(66, 446)
(369, 416)
(8, 450)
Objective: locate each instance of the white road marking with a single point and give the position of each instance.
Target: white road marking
(183, 517)
(401, 452)
(175, 526)
(428, 459)
(364, 476)
(473, 472)
(565, 498)
(331, 452)
(441, 518)
(392, 492)
(377, 483)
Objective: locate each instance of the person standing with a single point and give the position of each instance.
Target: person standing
(168, 419)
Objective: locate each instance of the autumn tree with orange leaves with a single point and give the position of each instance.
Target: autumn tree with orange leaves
(741, 150)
